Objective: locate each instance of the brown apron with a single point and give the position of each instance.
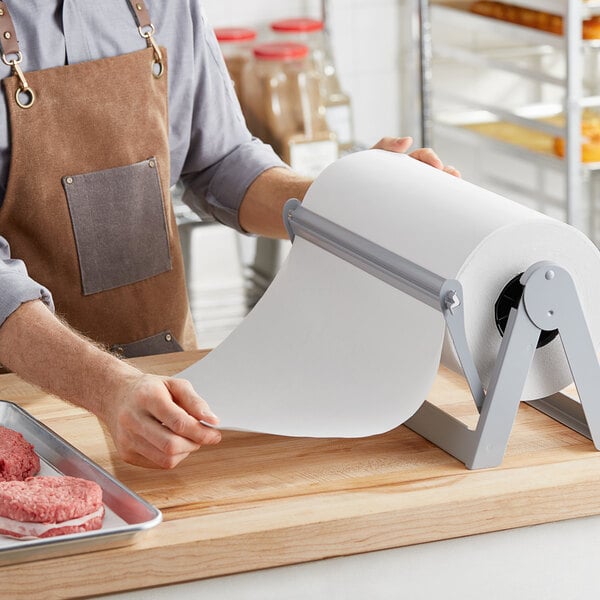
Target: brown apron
(87, 203)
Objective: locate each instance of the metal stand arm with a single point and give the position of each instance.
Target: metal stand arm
(485, 445)
(552, 303)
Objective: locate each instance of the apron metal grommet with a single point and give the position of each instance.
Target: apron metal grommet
(151, 164)
(69, 180)
(169, 337)
(26, 92)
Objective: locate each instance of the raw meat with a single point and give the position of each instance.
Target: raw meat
(50, 506)
(18, 459)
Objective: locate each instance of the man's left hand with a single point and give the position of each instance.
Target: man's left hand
(426, 155)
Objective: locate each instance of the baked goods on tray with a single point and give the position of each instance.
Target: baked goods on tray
(590, 146)
(538, 141)
(535, 19)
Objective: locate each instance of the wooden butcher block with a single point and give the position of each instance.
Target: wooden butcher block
(258, 501)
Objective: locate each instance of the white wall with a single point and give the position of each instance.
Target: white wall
(367, 42)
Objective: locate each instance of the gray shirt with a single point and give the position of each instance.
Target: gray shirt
(212, 151)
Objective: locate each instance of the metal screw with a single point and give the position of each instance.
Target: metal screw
(151, 164)
(451, 300)
(549, 275)
(169, 337)
(7, 35)
(69, 180)
(138, 6)
(1, 12)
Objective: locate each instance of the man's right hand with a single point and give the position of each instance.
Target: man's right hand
(155, 421)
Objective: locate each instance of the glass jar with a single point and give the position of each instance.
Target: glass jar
(311, 32)
(283, 107)
(236, 46)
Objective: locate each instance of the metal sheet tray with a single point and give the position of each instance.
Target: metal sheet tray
(126, 513)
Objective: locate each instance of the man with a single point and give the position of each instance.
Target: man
(85, 182)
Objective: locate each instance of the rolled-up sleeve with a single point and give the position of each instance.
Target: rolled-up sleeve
(223, 158)
(16, 287)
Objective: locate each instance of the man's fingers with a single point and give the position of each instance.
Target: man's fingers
(165, 439)
(185, 396)
(175, 419)
(428, 156)
(142, 453)
(391, 144)
(452, 171)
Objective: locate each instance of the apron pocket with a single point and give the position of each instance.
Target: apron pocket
(119, 225)
(161, 343)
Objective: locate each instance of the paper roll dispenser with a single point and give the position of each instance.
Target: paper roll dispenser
(548, 305)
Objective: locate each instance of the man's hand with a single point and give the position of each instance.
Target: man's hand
(261, 209)
(155, 422)
(426, 155)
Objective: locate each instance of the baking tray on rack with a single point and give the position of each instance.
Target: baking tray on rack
(490, 127)
(126, 514)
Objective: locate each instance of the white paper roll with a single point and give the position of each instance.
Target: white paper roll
(332, 351)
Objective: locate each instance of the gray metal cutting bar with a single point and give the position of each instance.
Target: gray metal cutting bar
(383, 264)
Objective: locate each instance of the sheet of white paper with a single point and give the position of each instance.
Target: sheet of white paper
(330, 351)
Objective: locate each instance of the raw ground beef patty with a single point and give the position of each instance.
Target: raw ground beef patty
(49, 506)
(18, 459)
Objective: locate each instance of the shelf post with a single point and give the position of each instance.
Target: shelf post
(425, 76)
(572, 34)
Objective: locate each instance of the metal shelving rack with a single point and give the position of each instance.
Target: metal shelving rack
(574, 102)
(325, 12)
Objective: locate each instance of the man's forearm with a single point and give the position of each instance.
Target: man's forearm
(154, 421)
(262, 208)
(46, 352)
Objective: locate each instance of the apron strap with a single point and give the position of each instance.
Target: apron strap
(141, 14)
(25, 96)
(8, 36)
(10, 46)
(146, 30)
(11, 56)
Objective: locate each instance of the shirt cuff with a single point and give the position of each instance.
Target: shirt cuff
(17, 288)
(230, 182)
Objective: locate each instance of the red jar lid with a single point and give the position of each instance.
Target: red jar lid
(235, 34)
(281, 51)
(297, 25)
